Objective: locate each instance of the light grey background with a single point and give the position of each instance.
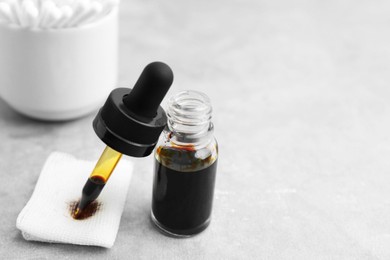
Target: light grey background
(301, 109)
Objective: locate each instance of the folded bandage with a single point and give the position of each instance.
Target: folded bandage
(47, 215)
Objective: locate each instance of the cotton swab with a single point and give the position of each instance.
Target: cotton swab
(16, 12)
(94, 9)
(54, 15)
(67, 13)
(80, 8)
(47, 14)
(107, 8)
(30, 12)
(6, 13)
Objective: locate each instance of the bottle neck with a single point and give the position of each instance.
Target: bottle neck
(189, 118)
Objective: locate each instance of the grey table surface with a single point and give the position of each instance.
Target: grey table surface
(300, 91)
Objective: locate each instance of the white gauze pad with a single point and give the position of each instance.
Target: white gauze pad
(47, 218)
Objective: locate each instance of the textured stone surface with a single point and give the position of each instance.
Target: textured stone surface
(301, 98)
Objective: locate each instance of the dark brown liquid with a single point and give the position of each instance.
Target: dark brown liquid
(89, 211)
(92, 188)
(87, 204)
(182, 200)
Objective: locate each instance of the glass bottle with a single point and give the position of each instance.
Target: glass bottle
(185, 167)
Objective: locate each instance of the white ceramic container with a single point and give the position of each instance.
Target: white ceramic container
(59, 74)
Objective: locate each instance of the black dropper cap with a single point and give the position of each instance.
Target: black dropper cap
(132, 120)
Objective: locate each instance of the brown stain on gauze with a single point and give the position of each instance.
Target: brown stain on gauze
(89, 211)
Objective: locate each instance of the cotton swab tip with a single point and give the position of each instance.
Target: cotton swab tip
(54, 13)
(6, 13)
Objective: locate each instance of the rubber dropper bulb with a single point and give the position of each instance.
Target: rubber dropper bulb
(149, 90)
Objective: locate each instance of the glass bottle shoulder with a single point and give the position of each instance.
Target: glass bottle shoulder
(186, 157)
